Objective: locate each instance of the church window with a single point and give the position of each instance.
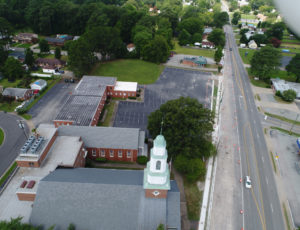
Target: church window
(158, 165)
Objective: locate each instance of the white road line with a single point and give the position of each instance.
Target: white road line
(271, 207)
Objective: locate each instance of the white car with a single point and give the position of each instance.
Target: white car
(248, 182)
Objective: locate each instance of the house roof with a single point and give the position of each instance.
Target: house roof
(106, 137)
(55, 40)
(252, 42)
(102, 199)
(79, 109)
(26, 35)
(42, 83)
(14, 92)
(17, 54)
(50, 61)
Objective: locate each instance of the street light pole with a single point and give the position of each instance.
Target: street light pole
(22, 126)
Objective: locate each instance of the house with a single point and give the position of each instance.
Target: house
(282, 85)
(252, 44)
(59, 40)
(18, 93)
(207, 44)
(112, 143)
(26, 38)
(194, 61)
(49, 64)
(85, 105)
(125, 199)
(130, 47)
(18, 55)
(38, 85)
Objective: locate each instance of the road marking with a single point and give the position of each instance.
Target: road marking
(272, 207)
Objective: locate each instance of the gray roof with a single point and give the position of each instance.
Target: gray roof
(282, 85)
(14, 92)
(80, 109)
(93, 85)
(106, 137)
(102, 199)
(55, 40)
(17, 54)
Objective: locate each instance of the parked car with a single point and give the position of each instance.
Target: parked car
(248, 182)
(67, 80)
(72, 80)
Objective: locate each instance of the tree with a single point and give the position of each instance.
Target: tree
(217, 36)
(197, 37)
(236, 17)
(192, 25)
(294, 66)
(264, 62)
(71, 227)
(218, 54)
(221, 19)
(275, 42)
(233, 5)
(3, 54)
(57, 53)
(187, 127)
(12, 69)
(157, 50)
(81, 57)
(289, 95)
(29, 58)
(276, 30)
(243, 39)
(193, 169)
(161, 227)
(259, 39)
(141, 39)
(184, 38)
(5, 30)
(44, 46)
(246, 9)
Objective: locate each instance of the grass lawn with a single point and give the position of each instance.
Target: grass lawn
(289, 45)
(19, 45)
(26, 116)
(248, 16)
(5, 83)
(110, 110)
(257, 83)
(283, 118)
(6, 175)
(9, 107)
(1, 136)
(193, 199)
(129, 70)
(246, 59)
(282, 74)
(190, 51)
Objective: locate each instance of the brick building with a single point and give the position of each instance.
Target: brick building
(85, 105)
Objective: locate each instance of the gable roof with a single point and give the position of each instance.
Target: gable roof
(106, 137)
(50, 61)
(102, 199)
(14, 92)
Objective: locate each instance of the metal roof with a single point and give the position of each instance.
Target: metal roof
(102, 199)
(80, 109)
(106, 137)
(14, 92)
(282, 85)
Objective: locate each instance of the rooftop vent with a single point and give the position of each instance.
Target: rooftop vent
(23, 184)
(31, 184)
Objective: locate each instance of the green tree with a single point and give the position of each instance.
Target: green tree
(6, 30)
(161, 227)
(71, 227)
(197, 37)
(236, 17)
(81, 57)
(15, 224)
(243, 39)
(221, 19)
(246, 9)
(3, 54)
(44, 46)
(157, 50)
(259, 39)
(294, 66)
(289, 95)
(12, 69)
(184, 38)
(276, 30)
(187, 127)
(57, 53)
(265, 62)
(141, 39)
(218, 54)
(29, 58)
(192, 25)
(217, 36)
(233, 5)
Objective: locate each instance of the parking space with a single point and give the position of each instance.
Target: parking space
(45, 110)
(172, 84)
(285, 147)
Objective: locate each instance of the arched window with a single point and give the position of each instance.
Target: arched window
(158, 164)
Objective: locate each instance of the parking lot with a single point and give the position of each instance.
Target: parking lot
(172, 84)
(46, 109)
(285, 147)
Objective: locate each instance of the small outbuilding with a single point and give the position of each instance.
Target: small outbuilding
(252, 44)
(38, 85)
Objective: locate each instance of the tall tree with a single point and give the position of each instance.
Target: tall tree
(44, 46)
(141, 39)
(236, 17)
(259, 39)
(294, 67)
(217, 36)
(29, 58)
(187, 127)
(5, 30)
(192, 25)
(218, 55)
(157, 50)
(12, 69)
(3, 55)
(276, 30)
(221, 19)
(57, 53)
(184, 37)
(246, 9)
(264, 62)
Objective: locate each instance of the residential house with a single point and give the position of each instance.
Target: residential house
(18, 93)
(49, 65)
(125, 199)
(243, 3)
(207, 30)
(130, 47)
(18, 55)
(249, 34)
(207, 44)
(252, 44)
(26, 38)
(59, 40)
(38, 85)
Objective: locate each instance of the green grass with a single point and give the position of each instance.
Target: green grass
(286, 131)
(283, 118)
(190, 51)
(286, 216)
(110, 110)
(273, 161)
(9, 107)
(19, 45)
(6, 175)
(246, 59)
(1, 136)
(282, 74)
(5, 83)
(289, 45)
(26, 116)
(193, 200)
(129, 70)
(248, 16)
(257, 83)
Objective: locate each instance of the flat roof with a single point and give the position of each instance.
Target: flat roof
(126, 86)
(93, 85)
(282, 85)
(79, 109)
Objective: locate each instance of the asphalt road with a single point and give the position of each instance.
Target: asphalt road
(13, 140)
(262, 209)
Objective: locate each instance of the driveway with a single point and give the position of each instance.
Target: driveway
(171, 84)
(14, 138)
(46, 109)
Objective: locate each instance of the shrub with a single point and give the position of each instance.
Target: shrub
(101, 160)
(133, 98)
(289, 95)
(22, 111)
(278, 93)
(142, 160)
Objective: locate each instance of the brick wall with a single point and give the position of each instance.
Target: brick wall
(99, 109)
(33, 164)
(46, 150)
(123, 94)
(59, 123)
(162, 193)
(98, 153)
(80, 160)
(26, 196)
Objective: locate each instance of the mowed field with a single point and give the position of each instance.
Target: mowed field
(129, 70)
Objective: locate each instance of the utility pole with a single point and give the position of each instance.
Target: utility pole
(22, 126)
(294, 123)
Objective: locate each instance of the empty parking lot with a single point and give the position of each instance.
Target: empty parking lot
(172, 84)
